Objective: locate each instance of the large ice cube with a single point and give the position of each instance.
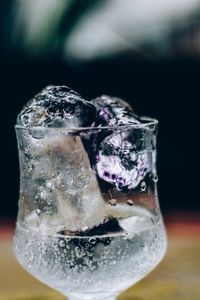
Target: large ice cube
(117, 156)
(112, 111)
(57, 175)
(120, 162)
(64, 187)
(57, 106)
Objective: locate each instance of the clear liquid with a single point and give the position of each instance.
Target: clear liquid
(92, 265)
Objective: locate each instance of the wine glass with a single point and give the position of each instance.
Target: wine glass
(89, 223)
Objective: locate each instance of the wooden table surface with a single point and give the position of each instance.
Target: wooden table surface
(176, 277)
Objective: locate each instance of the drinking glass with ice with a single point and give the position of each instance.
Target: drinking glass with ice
(89, 223)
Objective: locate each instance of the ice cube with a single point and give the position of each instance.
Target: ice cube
(113, 111)
(64, 186)
(120, 162)
(118, 156)
(57, 106)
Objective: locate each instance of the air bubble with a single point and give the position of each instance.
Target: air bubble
(49, 184)
(79, 252)
(43, 195)
(62, 243)
(38, 212)
(92, 241)
(143, 186)
(125, 236)
(112, 202)
(130, 202)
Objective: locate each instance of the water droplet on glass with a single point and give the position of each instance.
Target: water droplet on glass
(143, 186)
(38, 212)
(129, 202)
(112, 202)
(155, 177)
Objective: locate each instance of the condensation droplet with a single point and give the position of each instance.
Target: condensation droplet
(155, 177)
(143, 186)
(130, 202)
(112, 202)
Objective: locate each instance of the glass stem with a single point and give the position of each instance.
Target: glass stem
(91, 297)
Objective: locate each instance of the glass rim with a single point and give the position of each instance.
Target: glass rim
(148, 122)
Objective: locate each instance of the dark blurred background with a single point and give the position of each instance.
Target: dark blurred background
(147, 52)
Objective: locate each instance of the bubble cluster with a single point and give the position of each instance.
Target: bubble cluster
(111, 261)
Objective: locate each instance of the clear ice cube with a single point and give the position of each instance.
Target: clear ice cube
(112, 111)
(117, 156)
(64, 187)
(120, 162)
(57, 106)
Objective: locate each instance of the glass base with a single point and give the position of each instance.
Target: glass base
(91, 296)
